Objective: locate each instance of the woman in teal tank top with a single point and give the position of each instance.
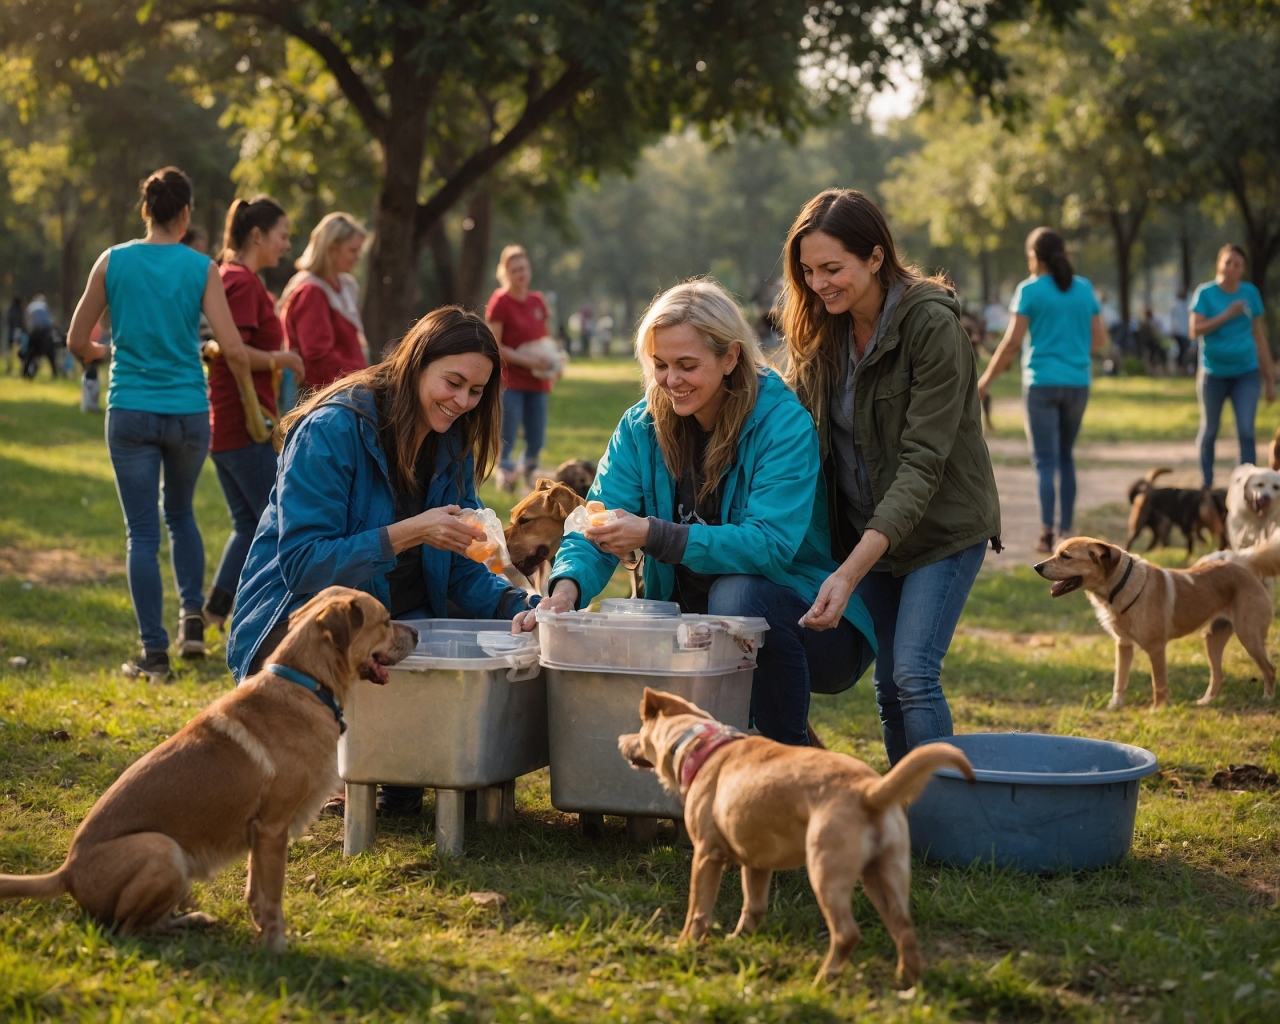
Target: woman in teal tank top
(157, 404)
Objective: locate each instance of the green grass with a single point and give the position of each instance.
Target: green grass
(1185, 929)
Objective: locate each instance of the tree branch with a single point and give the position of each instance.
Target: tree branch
(536, 113)
(288, 17)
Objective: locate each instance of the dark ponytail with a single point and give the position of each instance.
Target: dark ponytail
(262, 213)
(1051, 250)
(164, 194)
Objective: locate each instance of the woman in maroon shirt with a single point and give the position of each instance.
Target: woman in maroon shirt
(321, 303)
(257, 236)
(518, 316)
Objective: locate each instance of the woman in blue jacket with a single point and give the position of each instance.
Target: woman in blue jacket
(373, 471)
(715, 476)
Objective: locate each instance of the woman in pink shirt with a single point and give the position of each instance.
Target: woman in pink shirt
(320, 306)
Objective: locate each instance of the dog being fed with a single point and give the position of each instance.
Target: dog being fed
(771, 807)
(1144, 605)
(244, 776)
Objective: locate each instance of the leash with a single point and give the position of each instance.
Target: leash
(319, 689)
(1120, 586)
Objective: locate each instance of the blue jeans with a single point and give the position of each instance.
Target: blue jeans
(793, 659)
(915, 616)
(1213, 392)
(247, 476)
(141, 444)
(1053, 416)
(529, 408)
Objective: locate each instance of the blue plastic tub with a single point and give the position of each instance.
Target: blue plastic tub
(1041, 803)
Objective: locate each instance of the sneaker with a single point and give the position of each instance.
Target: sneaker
(153, 664)
(1045, 547)
(191, 635)
(531, 477)
(218, 606)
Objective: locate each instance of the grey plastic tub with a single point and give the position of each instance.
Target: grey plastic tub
(1041, 803)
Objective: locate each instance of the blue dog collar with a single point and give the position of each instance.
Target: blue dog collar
(321, 691)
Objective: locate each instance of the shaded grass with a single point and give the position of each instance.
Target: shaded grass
(1186, 928)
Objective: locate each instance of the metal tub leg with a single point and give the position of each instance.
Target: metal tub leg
(641, 829)
(497, 804)
(451, 812)
(360, 819)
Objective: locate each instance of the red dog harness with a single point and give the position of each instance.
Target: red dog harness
(698, 743)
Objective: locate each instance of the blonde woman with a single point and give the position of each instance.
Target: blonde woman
(320, 306)
(715, 475)
(518, 316)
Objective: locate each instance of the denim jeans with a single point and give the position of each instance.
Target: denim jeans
(142, 445)
(247, 476)
(793, 659)
(915, 616)
(1053, 416)
(1213, 392)
(528, 408)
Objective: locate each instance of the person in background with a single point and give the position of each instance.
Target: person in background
(1056, 312)
(197, 239)
(40, 342)
(1235, 360)
(1179, 324)
(518, 316)
(13, 333)
(157, 405)
(257, 235)
(320, 306)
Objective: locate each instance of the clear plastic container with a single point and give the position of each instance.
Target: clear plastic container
(625, 636)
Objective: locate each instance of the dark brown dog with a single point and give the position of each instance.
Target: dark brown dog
(578, 474)
(244, 775)
(1160, 509)
(770, 807)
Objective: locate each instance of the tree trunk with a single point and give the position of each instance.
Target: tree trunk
(1184, 244)
(473, 265)
(442, 257)
(984, 269)
(1124, 229)
(69, 271)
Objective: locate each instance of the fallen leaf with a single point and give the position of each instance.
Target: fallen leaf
(487, 899)
(60, 735)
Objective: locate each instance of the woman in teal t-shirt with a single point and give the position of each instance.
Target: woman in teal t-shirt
(157, 406)
(1057, 312)
(1235, 361)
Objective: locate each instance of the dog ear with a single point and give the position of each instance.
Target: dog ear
(1104, 554)
(544, 484)
(566, 499)
(658, 702)
(336, 620)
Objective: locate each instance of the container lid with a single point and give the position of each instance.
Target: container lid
(639, 606)
(475, 644)
(734, 625)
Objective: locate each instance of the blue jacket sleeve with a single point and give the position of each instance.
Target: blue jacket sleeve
(618, 484)
(482, 593)
(317, 473)
(784, 471)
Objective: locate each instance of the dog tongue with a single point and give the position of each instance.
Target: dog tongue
(374, 672)
(1064, 587)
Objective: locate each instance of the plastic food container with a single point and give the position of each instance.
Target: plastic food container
(466, 710)
(637, 636)
(1041, 803)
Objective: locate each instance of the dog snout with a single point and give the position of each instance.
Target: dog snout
(534, 559)
(1042, 568)
(403, 640)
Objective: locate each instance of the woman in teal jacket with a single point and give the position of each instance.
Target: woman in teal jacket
(715, 475)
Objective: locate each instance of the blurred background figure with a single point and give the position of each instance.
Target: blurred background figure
(13, 333)
(40, 345)
(320, 306)
(1179, 330)
(518, 317)
(196, 239)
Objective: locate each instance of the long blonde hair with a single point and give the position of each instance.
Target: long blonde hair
(333, 229)
(813, 335)
(711, 311)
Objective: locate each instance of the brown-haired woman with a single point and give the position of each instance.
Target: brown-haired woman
(879, 358)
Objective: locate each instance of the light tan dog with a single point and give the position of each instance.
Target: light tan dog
(1140, 603)
(244, 775)
(1253, 506)
(770, 807)
(536, 530)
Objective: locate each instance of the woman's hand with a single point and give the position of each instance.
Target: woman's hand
(562, 599)
(833, 595)
(287, 359)
(622, 536)
(436, 527)
(984, 387)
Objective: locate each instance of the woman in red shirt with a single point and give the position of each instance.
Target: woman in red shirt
(518, 316)
(321, 303)
(257, 236)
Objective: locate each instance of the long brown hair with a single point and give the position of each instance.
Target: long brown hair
(447, 331)
(813, 335)
(711, 311)
(1050, 249)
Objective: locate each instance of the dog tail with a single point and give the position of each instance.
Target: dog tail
(909, 776)
(33, 887)
(1263, 559)
(1147, 482)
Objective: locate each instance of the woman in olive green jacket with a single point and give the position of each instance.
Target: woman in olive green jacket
(879, 358)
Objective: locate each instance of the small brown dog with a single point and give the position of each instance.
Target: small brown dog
(578, 474)
(770, 807)
(1140, 603)
(246, 774)
(537, 528)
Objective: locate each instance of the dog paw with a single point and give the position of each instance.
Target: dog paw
(1115, 703)
(1205, 700)
(274, 942)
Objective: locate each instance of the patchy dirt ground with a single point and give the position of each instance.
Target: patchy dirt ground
(55, 567)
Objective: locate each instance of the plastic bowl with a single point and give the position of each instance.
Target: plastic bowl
(1041, 803)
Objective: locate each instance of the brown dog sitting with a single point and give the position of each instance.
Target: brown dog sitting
(578, 474)
(244, 775)
(537, 528)
(770, 807)
(1140, 603)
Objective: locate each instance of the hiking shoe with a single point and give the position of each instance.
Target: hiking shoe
(191, 635)
(1045, 547)
(153, 664)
